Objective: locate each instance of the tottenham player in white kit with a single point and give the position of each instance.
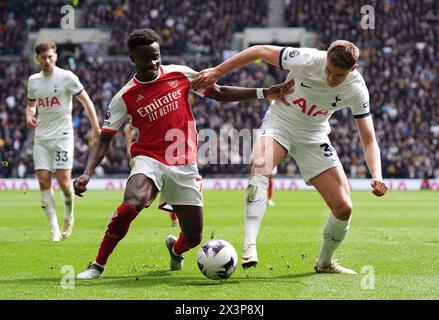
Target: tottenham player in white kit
(50, 94)
(325, 81)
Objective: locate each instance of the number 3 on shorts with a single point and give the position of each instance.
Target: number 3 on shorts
(327, 149)
(61, 156)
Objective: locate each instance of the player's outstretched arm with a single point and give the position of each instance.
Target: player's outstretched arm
(208, 77)
(228, 93)
(372, 154)
(89, 107)
(95, 157)
(31, 121)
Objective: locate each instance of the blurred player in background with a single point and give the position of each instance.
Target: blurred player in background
(131, 135)
(270, 188)
(50, 95)
(164, 157)
(325, 81)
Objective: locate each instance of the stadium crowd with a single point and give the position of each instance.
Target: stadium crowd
(399, 63)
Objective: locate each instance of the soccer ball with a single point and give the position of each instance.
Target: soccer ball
(217, 259)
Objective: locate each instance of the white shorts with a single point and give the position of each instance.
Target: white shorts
(53, 154)
(178, 185)
(311, 158)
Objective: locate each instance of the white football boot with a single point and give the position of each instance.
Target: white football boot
(333, 268)
(249, 256)
(67, 228)
(270, 203)
(93, 271)
(55, 235)
(176, 262)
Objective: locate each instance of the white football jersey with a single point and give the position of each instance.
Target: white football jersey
(53, 97)
(313, 102)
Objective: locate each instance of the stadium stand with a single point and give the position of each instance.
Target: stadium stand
(399, 63)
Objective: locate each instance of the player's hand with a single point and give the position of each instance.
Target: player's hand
(31, 122)
(94, 136)
(379, 187)
(205, 79)
(279, 91)
(80, 184)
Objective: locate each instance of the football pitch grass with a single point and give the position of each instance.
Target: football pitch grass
(393, 244)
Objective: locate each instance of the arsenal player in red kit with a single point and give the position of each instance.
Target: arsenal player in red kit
(163, 159)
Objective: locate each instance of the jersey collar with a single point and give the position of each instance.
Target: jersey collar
(136, 81)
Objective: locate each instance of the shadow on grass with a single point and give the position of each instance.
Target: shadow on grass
(157, 277)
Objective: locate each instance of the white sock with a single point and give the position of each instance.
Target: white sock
(255, 206)
(333, 234)
(68, 204)
(48, 205)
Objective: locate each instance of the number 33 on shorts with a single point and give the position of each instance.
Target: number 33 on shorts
(61, 156)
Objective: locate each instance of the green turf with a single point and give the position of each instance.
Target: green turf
(397, 236)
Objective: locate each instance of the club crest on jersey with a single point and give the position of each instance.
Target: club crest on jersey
(337, 99)
(173, 83)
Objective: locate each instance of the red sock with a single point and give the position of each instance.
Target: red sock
(270, 188)
(173, 216)
(116, 230)
(182, 245)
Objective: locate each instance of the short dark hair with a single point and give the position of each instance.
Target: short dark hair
(142, 37)
(44, 46)
(343, 54)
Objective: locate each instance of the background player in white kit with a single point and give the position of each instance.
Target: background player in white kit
(50, 93)
(325, 81)
(270, 201)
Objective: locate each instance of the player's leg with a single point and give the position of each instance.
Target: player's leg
(267, 154)
(191, 223)
(64, 178)
(183, 191)
(334, 188)
(43, 160)
(140, 190)
(48, 202)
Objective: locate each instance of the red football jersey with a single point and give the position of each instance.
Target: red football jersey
(161, 112)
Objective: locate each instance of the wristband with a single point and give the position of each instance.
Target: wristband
(260, 93)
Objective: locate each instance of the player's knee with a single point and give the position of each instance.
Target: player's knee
(261, 168)
(194, 239)
(342, 209)
(45, 183)
(138, 202)
(66, 187)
